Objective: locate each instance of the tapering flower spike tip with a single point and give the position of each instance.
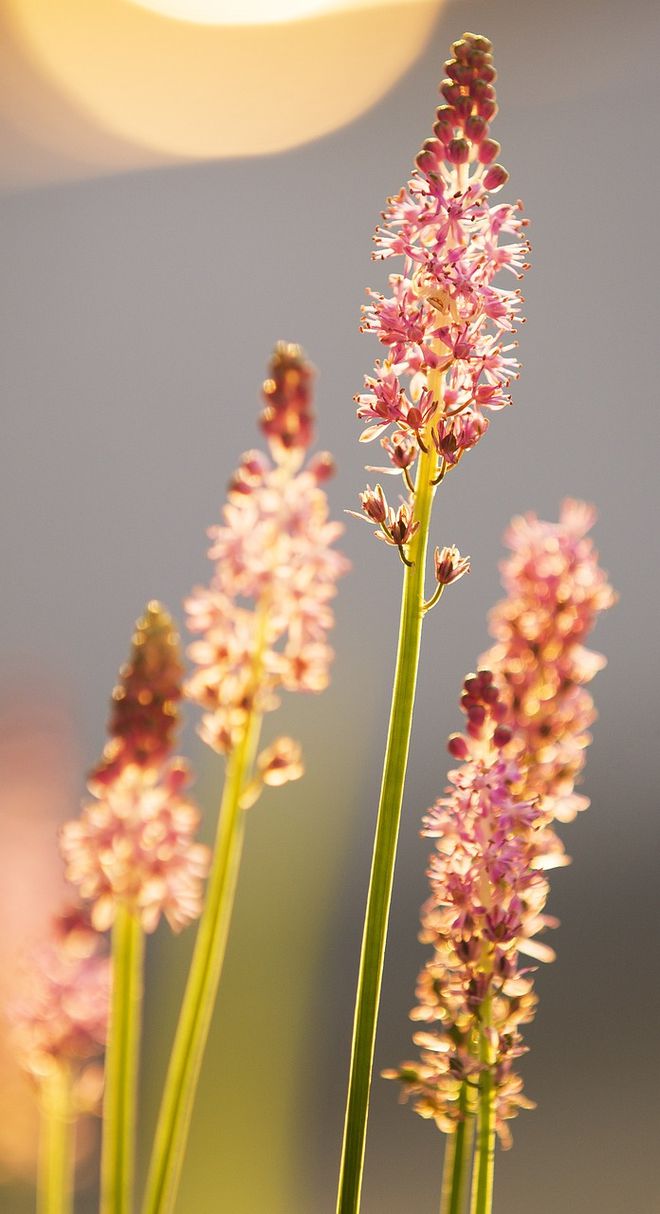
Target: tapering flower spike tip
(287, 419)
(134, 843)
(144, 714)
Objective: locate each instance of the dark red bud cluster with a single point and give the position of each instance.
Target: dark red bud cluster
(287, 419)
(144, 714)
(485, 712)
(462, 123)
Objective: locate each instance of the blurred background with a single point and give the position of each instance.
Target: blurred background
(157, 235)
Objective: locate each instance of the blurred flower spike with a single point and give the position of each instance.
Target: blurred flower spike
(555, 592)
(521, 753)
(264, 619)
(60, 1018)
(134, 843)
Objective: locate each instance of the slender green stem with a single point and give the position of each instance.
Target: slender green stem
(384, 855)
(56, 1144)
(121, 1064)
(202, 986)
(484, 1156)
(458, 1154)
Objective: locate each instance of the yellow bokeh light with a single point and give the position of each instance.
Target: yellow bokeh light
(198, 89)
(236, 12)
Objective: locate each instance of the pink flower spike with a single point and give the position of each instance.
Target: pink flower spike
(521, 752)
(443, 316)
(262, 623)
(60, 1016)
(135, 844)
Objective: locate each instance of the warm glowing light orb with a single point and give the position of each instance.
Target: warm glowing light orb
(236, 12)
(203, 86)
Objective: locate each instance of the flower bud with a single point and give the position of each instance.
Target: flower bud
(495, 178)
(450, 565)
(457, 746)
(450, 91)
(476, 129)
(403, 528)
(464, 107)
(287, 419)
(322, 467)
(487, 108)
(501, 735)
(458, 151)
(489, 150)
(374, 504)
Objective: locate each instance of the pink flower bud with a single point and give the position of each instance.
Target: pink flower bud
(476, 129)
(501, 735)
(450, 565)
(457, 746)
(450, 91)
(489, 150)
(464, 107)
(495, 178)
(322, 467)
(487, 108)
(487, 72)
(374, 504)
(458, 151)
(403, 528)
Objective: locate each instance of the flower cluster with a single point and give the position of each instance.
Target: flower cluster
(134, 843)
(520, 754)
(486, 906)
(264, 619)
(61, 1016)
(555, 590)
(445, 324)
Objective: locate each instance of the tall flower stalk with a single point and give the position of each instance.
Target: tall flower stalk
(263, 625)
(132, 854)
(444, 326)
(521, 754)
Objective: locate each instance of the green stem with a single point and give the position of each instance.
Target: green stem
(484, 1156)
(458, 1153)
(56, 1144)
(121, 1064)
(202, 985)
(384, 854)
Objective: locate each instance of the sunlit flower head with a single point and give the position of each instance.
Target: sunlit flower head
(264, 619)
(446, 327)
(134, 840)
(134, 844)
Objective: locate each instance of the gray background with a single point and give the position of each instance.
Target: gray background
(137, 316)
